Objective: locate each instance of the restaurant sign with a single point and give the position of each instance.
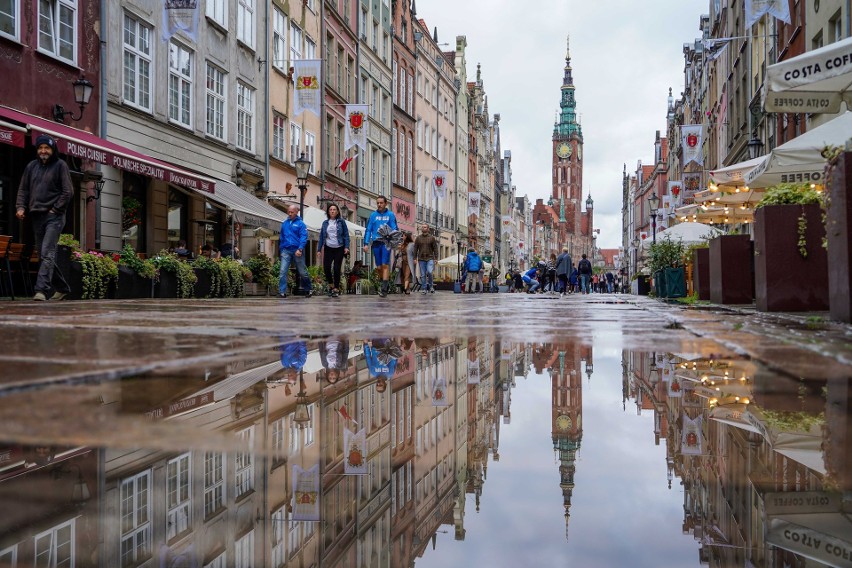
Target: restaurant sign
(795, 502)
(809, 542)
(181, 406)
(11, 136)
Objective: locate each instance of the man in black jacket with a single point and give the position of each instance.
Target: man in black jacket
(584, 268)
(45, 193)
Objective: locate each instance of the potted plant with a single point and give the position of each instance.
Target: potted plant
(700, 255)
(262, 277)
(99, 273)
(208, 277)
(790, 263)
(136, 276)
(176, 278)
(667, 265)
(838, 224)
(72, 271)
(233, 277)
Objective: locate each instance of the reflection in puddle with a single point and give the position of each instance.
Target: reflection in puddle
(376, 452)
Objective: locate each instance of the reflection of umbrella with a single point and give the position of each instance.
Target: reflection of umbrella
(388, 351)
(390, 237)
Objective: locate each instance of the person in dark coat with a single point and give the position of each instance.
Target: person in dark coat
(563, 270)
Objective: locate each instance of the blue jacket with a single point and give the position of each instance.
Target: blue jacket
(377, 220)
(342, 233)
(531, 274)
(472, 263)
(294, 235)
(294, 355)
(376, 367)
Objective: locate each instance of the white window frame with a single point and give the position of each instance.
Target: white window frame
(215, 492)
(180, 78)
(279, 137)
(310, 149)
(244, 551)
(295, 42)
(397, 158)
(245, 22)
(216, 102)
(218, 562)
(50, 14)
(295, 141)
(245, 117)
(15, 18)
(178, 495)
(135, 509)
(217, 10)
(279, 40)
(50, 556)
(409, 157)
(141, 58)
(310, 48)
(244, 464)
(279, 537)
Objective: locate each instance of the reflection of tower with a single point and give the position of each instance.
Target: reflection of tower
(567, 411)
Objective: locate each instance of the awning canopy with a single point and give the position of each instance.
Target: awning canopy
(248, 209)
(800, 160)
(12, 135)
(813, 82)
(733, 174)
(82, 144)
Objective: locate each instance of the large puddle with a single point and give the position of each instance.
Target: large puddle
(393, 452)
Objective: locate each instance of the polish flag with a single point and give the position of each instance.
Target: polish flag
(345, 163)
(345, 413)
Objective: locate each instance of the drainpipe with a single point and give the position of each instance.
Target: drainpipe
(323, 73)
(103, 109)
(267, 103)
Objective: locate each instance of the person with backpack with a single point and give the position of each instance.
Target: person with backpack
(584, 270)
(563, 270)
(473, 267)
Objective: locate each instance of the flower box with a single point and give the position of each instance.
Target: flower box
(131, 285)
(784, 279)
(701, 273)
(839, 229)
(731, 270)
(167, 286)
(204, 286)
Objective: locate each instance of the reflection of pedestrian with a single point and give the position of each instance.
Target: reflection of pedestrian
(45, 192)
(293, 358)
(381, 356)
(334, 356)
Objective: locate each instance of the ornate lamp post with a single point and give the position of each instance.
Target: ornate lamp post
(653, 205)
(303, 166)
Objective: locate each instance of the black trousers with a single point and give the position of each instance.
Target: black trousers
(332, 261)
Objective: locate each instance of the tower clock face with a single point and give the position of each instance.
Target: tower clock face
(563, 150)
(563, 422)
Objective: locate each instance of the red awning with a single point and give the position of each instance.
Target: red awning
(81, 144)
(11, 134)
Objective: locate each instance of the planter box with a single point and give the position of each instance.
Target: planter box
(167, 286)
(643, 285)
(74, 277)
(203, 287)
(701, 273)
(784, 279)
(659, 281)
(131, 285)
(839, 230)
(255, 289)
(674, 283)
(731, 270)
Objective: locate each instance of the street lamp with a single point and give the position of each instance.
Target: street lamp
(755, 147)
(302, 416)
(303, 166)
(82, 94)
(653, 204)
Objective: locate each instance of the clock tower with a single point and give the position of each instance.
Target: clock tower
(568, 153)
(566, 417)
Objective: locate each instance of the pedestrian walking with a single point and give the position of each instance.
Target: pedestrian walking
(334, 357)
(401, 260)
(563, 270)
(473, 266)
(292, 243)
(584, 270)
(550, 280)
(610, 282)
(44, 194)
(426, 253)
(382, 216)
(411, 258)
(333, 247)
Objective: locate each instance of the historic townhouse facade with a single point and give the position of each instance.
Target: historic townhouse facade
(483, 158)
(403, 116)
(435, 140)
(463, 155)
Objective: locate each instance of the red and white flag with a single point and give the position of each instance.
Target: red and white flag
(345, 414)
(345, 163)
(356, 126)
(307, 78)
(355, 452)
(692, 136)
(306, 493)
(690, 439)
(439, 183)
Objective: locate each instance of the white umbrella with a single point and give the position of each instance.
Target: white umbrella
(815, 81)
(800, 160)
(733, 174)
(689, 233)
(457, 260)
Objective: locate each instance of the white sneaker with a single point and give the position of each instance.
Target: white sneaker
(40, 297)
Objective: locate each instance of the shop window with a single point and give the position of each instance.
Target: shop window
(178, 207)
(134, 210)
(212, 217)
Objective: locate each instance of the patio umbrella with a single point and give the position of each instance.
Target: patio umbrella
(813, 82)
(457, 260)
(689, 233)
(733, 174)
(800, 159)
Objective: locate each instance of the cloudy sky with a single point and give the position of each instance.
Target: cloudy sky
(625, 55)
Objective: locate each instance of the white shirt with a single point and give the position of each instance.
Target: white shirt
(331, 238)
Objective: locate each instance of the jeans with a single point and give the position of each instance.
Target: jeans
(332, 259)
(426, 268)
(288, 256)
(563, 283)
(47, 227)
(584, 283)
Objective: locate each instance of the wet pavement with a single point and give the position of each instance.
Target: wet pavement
(439, 430)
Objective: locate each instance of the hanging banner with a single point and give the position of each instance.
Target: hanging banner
(675, 387)
(180, 15)
(691, 184)
(675, 190)
(506, 224)
(756, 9)
(473, 372)
(306, 487)
(691, 142)
(473, 202)
(306, 77)
(643, 235)
(439, 391)
(690, 438)
(356, 126)
(439, 183)
(354, 445)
